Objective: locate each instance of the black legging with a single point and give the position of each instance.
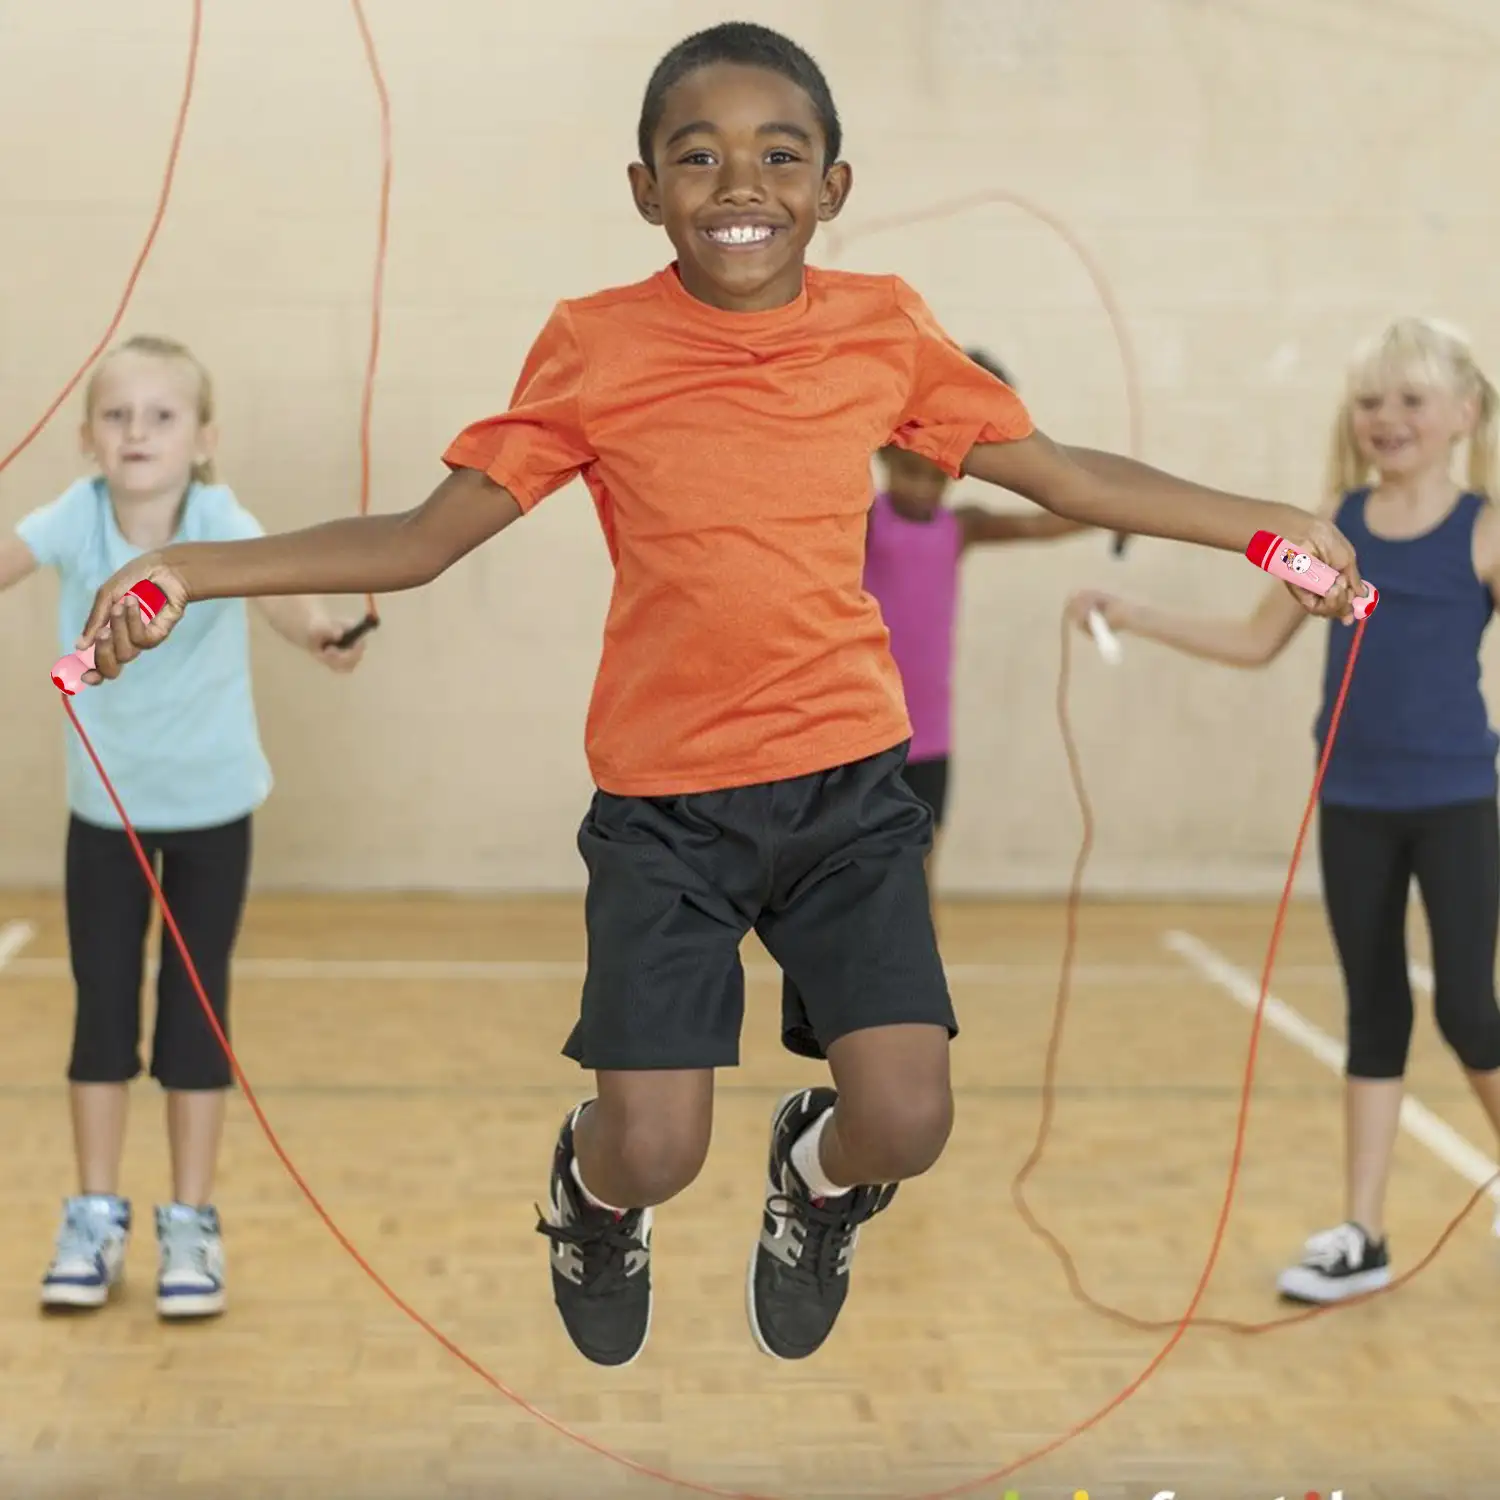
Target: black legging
(203, 874)
(1369, 858)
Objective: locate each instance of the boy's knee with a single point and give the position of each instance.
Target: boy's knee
(661, 1165)
(901, 1136)
(658, 1156)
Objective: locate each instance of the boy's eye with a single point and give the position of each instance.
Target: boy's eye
(778, 156)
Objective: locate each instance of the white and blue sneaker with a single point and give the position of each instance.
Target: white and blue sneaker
(89, 1259)
(190, 1283)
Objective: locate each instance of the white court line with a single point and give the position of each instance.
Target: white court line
(13, 937)
(378, 970)
(1441, 1139)
(438, 971)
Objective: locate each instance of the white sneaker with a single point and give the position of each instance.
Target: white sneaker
(89, 1259)
(1337, 1263)
(190, 1283)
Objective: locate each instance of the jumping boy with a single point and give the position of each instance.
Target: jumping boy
(747, 729)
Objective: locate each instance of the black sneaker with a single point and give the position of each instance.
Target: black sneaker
(601, 1264)
(799, 1269)
(1337, 1263)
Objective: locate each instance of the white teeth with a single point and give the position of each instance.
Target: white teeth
(741, 234)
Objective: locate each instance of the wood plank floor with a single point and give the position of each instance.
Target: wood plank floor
(406, 1050)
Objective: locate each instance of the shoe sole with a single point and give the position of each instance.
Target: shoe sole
(1310, 1289)
(63, 1298)
(201, 1305)
(755, 1333)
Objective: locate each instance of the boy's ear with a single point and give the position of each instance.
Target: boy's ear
(644, 190)
(838, 183)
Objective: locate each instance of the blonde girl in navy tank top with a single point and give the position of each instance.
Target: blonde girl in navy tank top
(1410, 791)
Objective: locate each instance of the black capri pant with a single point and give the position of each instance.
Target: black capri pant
(204, 873)
(1369, 858)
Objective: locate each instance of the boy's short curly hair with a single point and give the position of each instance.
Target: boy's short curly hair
(751, 46)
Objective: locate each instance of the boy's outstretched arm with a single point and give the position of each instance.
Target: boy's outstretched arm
(359, 555)
(1119, 494)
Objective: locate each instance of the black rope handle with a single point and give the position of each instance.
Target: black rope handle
(355, 633)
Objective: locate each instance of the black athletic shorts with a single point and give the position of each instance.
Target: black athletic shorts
(929, 780)
(826, 868)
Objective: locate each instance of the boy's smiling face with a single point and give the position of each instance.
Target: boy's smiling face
(739, 184)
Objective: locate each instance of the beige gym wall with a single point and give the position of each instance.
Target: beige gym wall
(1263, 181)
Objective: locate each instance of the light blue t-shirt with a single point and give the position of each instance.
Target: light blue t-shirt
(176, 731)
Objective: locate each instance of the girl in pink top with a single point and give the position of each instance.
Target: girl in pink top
(913, 548)
(912, 554)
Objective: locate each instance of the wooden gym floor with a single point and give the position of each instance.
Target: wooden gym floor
(407, 1051)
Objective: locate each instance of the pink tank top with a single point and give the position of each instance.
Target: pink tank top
(911, 568)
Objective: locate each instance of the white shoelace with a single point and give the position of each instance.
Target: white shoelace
(83, 1234)
(184, 1250)
(1330, 1248)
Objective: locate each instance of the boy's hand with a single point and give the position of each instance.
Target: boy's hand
(116, 627)
(322, 643)
(1325, 542)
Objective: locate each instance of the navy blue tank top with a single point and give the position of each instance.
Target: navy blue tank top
(1415, 732)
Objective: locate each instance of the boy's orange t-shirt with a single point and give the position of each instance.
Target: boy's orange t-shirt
(728, 455)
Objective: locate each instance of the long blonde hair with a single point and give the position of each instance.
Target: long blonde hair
(1427, 353)
(163, 348)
